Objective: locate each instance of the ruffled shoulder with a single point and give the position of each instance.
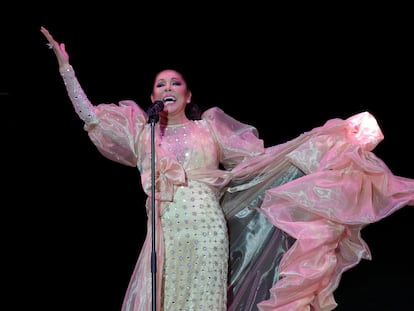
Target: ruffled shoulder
(237, 141)
(117, 130)
(125, 112)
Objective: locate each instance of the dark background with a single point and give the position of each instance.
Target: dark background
(74, 221)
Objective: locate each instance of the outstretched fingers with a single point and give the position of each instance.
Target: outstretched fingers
(58, 48)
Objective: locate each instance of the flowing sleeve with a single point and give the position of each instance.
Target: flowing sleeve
(237, 141)
(321, 189)
(118, 130)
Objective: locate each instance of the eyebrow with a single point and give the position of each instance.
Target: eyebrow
(172, 79)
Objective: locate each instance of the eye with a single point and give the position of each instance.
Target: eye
(177, 83)
(161, 84)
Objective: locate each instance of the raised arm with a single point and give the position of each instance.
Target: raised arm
(80, 101)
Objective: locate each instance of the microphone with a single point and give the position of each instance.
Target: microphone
(155, 109)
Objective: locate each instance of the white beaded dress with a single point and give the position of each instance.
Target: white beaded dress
(194, 227)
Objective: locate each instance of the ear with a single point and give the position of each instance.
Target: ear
(189, 95)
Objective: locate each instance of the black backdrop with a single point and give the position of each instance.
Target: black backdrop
(74, 221)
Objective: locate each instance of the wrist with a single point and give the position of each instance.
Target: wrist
(65, 67)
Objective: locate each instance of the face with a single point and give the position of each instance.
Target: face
(170, 87)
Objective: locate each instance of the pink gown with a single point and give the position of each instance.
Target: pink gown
(240, 226)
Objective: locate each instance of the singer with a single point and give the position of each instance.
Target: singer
(227, 207)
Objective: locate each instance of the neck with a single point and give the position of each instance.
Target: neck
(173, 120)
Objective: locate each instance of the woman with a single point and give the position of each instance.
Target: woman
(240, 226)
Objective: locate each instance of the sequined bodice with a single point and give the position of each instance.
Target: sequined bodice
(176, 140)
(191, 143)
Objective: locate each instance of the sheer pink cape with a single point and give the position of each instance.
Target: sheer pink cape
(345, 188)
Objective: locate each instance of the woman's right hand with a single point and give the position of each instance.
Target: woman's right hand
(58, 48)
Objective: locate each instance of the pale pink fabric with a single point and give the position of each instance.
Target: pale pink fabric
(345, 188)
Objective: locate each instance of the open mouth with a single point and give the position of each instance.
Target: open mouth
(169, 100)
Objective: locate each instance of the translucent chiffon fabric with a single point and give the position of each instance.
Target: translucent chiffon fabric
(343, 187)
(294, 211)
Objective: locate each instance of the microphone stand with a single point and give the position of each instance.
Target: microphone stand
(153, 119)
